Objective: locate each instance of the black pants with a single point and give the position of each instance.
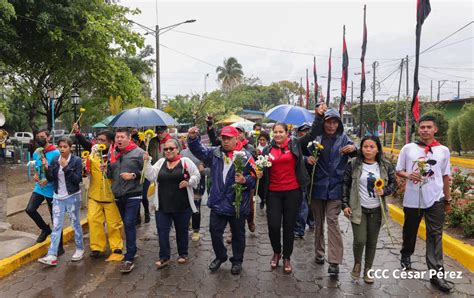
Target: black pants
(283, 204)
(145, 202)
(434, 220)
(196, 217)
(32, 210)
(217, 225)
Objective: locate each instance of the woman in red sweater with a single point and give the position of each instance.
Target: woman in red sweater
(284, 182)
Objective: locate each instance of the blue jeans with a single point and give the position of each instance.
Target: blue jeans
(128, 210)
(72, 206)
(217, 224)
(163, 226)
(302, 217)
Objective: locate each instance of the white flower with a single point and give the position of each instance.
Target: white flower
(239, 154)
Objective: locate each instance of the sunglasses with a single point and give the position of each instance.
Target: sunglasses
(169, 149)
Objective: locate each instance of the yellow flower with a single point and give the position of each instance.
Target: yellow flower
(149, 134)
(82, 110)
(379, 183)
(141, 136)
(85, 154)
(102, 147)
(319, 146)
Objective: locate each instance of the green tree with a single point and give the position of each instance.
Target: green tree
(453, 136)
(443, 125)
(230, 75)
(466, 128)
(69, 45)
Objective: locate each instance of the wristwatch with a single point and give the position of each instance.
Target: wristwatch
(134, 175)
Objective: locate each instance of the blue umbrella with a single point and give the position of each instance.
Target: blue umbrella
(290, 114)
(142, 117)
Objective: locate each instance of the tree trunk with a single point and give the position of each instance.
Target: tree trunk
(3, 193)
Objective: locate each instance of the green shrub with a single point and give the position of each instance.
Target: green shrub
(467, 224)
(453, 136)
(466, 128)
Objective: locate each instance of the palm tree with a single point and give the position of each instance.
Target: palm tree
(230, 74)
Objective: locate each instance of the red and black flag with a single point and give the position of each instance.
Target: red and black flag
(345, 66)
(329, 78)
(316, 87)
(362, 81)
(423, 9)
(307, 89)
(301, 93)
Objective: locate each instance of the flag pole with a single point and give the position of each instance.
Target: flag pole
(328, 94)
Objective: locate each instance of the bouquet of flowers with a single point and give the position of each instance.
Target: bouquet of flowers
(421, 164)
(316, 149)
(379, 184)
(42, 170)
(256, 135)
(239, 165)
(263, 161)
(98, 150)
(85, 157)
(147, 136)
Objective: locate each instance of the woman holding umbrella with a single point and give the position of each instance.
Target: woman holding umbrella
(283, 182)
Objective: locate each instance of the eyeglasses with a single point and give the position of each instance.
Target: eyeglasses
(169, 149)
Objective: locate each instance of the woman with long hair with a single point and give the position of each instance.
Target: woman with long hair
(362, 202)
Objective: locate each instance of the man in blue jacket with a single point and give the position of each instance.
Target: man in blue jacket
(222, 196)
(327, 188)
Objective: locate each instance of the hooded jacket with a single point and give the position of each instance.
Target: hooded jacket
(131, 162)
(329, 174)
(222, 195)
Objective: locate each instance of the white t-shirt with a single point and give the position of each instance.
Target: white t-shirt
(62, 190)
(227, 164)
(438, 165)
(370, 173)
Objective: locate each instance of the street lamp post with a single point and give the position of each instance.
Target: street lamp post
(51, 94)
(157, 37)
(75, 100)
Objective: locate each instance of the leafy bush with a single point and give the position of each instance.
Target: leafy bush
(467, 223)
(453, 136)
(466, 128)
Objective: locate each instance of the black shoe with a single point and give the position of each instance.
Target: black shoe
(319, 260)
(60, 251)
(333, 269)
(236, 269)
(441, 284)
(44, 234)
(117, 251)
(215, 265)
(405, 262)
(95, 254)
(147, 217)
(262, 205)
(297, 237)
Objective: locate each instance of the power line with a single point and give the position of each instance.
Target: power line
(449, 44)
(189, 56)
(447, 74)
(462, 28)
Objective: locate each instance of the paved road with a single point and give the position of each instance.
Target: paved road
(97, 278)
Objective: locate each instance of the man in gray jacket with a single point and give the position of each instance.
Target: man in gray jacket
(126, 164)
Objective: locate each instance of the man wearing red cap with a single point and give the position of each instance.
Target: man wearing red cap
(222, 195)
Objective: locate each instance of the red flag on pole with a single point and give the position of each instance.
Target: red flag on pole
(307, 90)
(301, 94)
(345, 66)
(316, 87)
(329, 78)
(423, 9)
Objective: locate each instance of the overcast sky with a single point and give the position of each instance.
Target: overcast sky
(310, 27)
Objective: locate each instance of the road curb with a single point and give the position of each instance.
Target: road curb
(34, 252)
(455, 161)
(456, 249)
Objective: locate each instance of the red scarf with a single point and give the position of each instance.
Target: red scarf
(165, 139)
(49, 148)
(244, 142)
(176, 158)
(238, 147)
(114, 156)
(284, 145)
(428, 147)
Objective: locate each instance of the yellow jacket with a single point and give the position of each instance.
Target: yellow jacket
(99, 190)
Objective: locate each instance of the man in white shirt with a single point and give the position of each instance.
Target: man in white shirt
(425, 164)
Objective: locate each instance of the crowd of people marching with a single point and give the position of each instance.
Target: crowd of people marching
(303, 178)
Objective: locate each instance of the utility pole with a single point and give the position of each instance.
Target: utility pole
(440, 84)
(459, 87)
(158, 86)
(431, 91)
(352, 91)
(398, 96)
(374, 65)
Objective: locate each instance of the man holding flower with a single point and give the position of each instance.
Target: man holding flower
(230, 192)
(426, 166)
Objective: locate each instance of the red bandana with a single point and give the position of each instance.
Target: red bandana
(162, 142)
(238, 147)
(176, 158)
(428, 147)
(114, 156)
(49, 148)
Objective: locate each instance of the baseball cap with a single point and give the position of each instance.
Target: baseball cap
(240, 127)
(229, 131)
(304, 126)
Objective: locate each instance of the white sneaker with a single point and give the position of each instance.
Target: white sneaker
(78, 255)
(49, 260)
